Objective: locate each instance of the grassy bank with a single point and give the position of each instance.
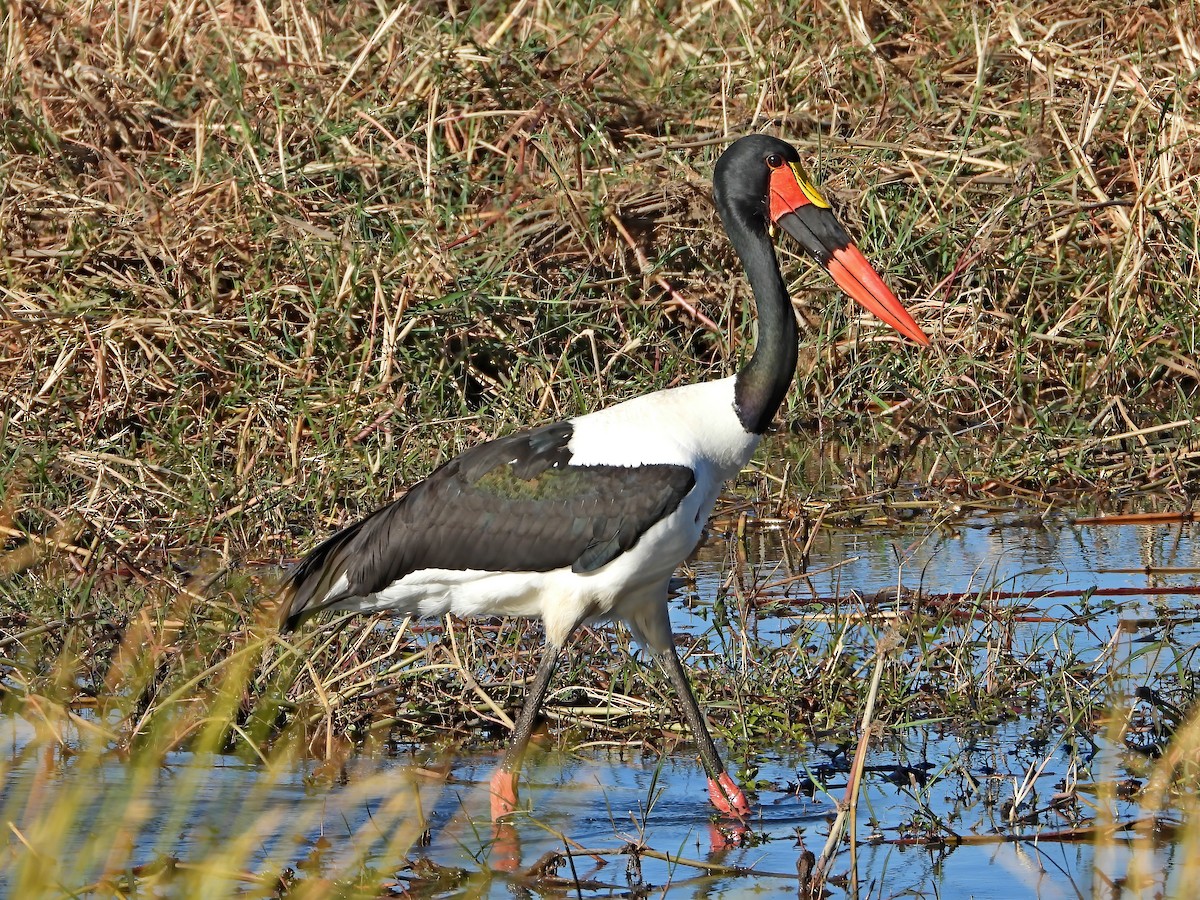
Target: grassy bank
(264, 265)
(264, 270)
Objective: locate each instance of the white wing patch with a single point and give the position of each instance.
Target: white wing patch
(339, 587)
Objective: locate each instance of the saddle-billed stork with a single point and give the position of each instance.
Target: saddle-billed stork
(587, 519)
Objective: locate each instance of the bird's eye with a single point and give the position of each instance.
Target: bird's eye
(774, 160)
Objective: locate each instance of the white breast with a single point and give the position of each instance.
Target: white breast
(693, 425)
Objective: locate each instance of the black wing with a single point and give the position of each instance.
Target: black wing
(511, 505)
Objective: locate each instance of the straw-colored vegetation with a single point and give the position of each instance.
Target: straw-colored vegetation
(265, 264)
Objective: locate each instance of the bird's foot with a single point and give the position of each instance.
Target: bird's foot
(727, 797)
(504, 793)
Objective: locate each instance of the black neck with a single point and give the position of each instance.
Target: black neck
(761, 384)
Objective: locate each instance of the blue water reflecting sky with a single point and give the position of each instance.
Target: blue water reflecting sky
(600, 797)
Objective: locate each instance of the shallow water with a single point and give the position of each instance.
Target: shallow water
(603, 800)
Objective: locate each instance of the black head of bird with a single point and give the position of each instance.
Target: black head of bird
(759, 183)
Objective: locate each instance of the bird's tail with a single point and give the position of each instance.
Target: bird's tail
(308, 587)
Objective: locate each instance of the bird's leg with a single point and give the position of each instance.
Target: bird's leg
(724, 793)
(504, 779)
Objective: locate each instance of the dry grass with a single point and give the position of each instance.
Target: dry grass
(264, 265)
